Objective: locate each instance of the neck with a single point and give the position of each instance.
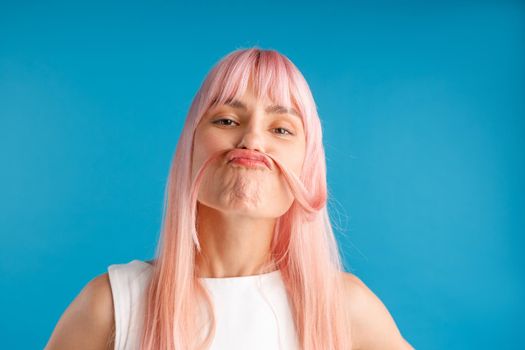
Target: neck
(232, 244)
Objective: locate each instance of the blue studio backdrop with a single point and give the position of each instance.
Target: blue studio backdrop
(422, 105)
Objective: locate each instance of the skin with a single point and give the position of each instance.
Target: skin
(88, 322)
(239, 206)
(373, 328)
(237, 210)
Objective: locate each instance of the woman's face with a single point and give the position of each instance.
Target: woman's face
(258, 127)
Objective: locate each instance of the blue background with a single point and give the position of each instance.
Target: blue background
(422, 107)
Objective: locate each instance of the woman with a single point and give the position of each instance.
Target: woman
(247, 257)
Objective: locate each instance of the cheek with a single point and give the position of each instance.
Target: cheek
(210, 138)
(205, 144)
(298, 158)
(291, 155)
(200, 149)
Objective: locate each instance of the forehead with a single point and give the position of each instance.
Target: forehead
(270, 107)
(243, 100)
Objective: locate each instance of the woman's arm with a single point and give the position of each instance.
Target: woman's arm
(88, 322)
(372, 325)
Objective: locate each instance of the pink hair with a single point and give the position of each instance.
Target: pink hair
(303, 247)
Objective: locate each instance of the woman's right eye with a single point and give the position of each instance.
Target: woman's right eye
(218, 121)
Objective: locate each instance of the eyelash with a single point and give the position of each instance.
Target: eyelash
(218, 120)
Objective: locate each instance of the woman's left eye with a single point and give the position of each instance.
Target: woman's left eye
(287, 132)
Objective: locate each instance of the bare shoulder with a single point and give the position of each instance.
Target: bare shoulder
(372, 325)
(88, 322)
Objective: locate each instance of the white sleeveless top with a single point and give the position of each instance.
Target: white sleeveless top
(251, 312)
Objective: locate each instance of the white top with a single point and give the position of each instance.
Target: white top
(252, 312)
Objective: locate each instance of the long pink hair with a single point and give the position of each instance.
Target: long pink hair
(303, 247)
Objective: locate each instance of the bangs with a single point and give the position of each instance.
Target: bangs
(270, 75)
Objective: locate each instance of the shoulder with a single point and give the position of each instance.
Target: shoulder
(372, 325)
(88, 322)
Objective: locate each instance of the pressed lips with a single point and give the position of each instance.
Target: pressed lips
(249, 155)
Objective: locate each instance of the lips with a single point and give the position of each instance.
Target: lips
(250, 155)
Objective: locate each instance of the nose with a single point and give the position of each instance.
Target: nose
(252, 138)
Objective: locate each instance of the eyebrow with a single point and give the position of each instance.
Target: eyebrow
(278, 109)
